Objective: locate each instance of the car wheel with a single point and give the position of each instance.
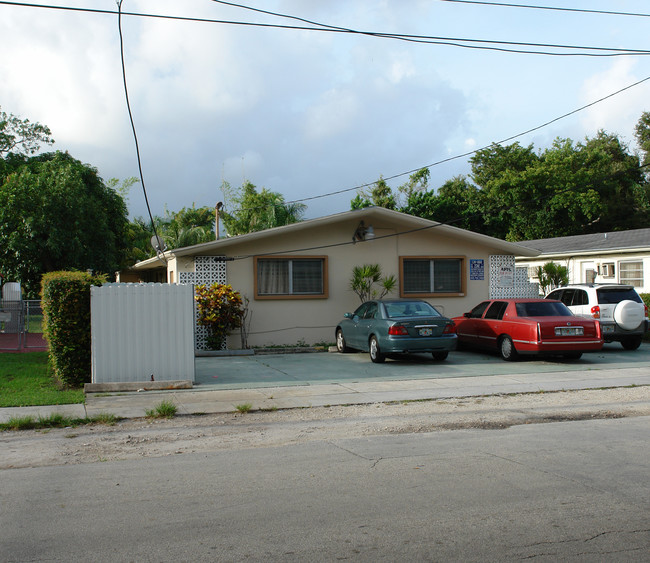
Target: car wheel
(573, 356)
(341, 346)
(632, 342)
(507, 349)
(440, 356)
(375, 353)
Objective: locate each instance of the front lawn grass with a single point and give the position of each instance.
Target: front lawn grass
(26, 380)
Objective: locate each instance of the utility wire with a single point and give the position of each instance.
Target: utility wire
(135, 134)
(418, 38)
(456, 157)
(480, 44)
(555, 8)
(482, 213)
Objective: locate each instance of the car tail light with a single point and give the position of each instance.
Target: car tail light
(449, 329)
(397, 330)
(595, 312)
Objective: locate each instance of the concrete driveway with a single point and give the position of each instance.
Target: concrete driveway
(282, 370)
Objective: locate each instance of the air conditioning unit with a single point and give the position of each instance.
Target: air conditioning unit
(608, 270)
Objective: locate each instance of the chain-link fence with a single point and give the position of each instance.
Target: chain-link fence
(21, 325)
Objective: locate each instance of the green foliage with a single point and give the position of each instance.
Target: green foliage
(66, 313)
(220, 310)
(379, 195)
(515, 193)
(55, 420)
(552, 276)
(257, 210)
(56, 213)
(165, 409)
(244, 407)
(187, 227)
(20, 136)
(368, 282)
(642, 134)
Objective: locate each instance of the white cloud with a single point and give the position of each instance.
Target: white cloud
(333, 114)
(620, 113)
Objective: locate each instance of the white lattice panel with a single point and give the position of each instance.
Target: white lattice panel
(504, 286)
(207, 270)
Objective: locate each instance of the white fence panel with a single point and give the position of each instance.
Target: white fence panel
(142, 330)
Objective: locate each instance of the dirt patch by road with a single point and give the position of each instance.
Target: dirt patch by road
(136, 438)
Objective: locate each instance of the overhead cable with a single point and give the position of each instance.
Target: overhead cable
(555, 8)
(480, 44)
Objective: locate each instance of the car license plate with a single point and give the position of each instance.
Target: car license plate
(425, 332)
(568, 331)
(607, 328)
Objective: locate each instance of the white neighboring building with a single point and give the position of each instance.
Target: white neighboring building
(616, 257)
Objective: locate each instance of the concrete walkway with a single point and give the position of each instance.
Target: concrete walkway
(530, 377)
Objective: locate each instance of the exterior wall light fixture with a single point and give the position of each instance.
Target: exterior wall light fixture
(363, 233)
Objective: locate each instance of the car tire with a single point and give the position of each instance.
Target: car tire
(375, 353)
(573, 355)
(341, 346)
(440, 356)
(628, 314)
(507, 349)
(631, 342)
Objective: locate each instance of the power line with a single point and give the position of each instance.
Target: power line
(456, 157)
(135, 134)
(479, 44)
(554, 8)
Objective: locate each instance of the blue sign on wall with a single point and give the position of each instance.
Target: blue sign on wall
(477, 269)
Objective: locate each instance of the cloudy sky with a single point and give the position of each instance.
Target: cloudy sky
(308, 113)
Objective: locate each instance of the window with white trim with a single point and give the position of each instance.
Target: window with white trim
(631, 273)
(290, 277)
(424, 275)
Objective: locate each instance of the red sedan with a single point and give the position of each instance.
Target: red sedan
(528, 326)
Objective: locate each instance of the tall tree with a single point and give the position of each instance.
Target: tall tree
(187, 227)
(57, 213)
(21, 136)
(253, 210)
(380, 194)
(457, 202)
(642, 134)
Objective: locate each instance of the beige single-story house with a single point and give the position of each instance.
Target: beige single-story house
(615, 257)
(296, 278)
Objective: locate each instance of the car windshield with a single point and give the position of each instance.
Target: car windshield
(410, 309)
(616, 295)
(543, 309)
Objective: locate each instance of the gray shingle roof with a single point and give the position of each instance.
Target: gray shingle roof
(637, 238)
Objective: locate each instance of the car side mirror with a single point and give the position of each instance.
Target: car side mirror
(467, 315)
(348, 316)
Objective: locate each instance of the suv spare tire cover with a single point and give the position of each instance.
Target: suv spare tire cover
(628, 314)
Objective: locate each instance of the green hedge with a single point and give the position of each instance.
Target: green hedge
(65, 300)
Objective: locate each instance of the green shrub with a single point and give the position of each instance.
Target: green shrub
(220, 310)
(65, 300)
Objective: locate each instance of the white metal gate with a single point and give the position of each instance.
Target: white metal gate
(142, 331)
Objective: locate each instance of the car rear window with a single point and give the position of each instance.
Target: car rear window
(613, 295)
(410, 309)
(543, 309)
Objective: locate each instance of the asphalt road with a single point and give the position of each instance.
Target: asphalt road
(562, 491)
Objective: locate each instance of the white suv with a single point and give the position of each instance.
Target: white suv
(622, 314)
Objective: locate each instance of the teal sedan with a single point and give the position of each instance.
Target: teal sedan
(386, 327)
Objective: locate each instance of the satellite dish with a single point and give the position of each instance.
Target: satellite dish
(158, 243)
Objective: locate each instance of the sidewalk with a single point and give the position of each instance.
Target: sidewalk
(204, 399)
